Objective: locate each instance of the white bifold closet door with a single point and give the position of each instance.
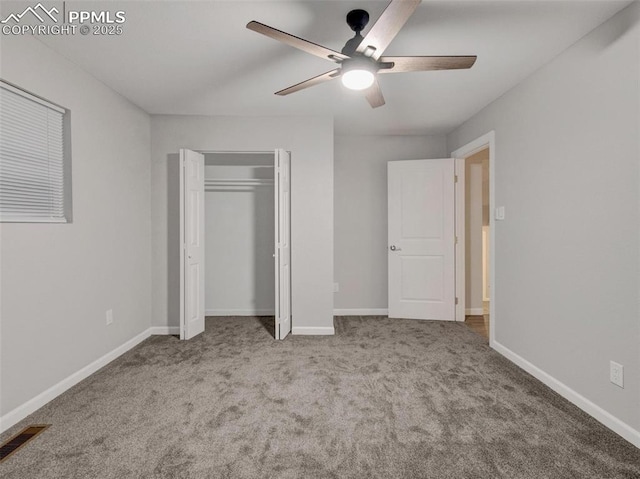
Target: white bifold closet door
(192, 241)
(282, 255)
(192, 228)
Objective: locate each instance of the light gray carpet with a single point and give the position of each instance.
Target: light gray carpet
(381, 399)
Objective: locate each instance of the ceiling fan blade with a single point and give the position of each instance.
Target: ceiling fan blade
(374, 95)
(387, 27)
(310, 82)
(300, 43)
(421, 64)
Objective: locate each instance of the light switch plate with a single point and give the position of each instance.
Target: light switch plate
(500, 213)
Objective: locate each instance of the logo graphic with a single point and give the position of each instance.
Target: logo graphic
(40, 20)
(34, 11)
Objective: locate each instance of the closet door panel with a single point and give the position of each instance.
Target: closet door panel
(193, 244)
(282, 202)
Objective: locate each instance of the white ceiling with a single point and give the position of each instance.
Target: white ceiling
(197, 58)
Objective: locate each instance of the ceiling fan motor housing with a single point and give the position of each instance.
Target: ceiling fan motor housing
(360, 62)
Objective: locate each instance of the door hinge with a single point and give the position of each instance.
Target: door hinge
(456, 240)
(455, 178)
(456, 300)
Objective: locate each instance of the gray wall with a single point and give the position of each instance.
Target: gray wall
(310, 140)
(58, 280)
(360, 205)
(567, 257)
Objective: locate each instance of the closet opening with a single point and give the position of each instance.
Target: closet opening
(235, 232)
(239, 234)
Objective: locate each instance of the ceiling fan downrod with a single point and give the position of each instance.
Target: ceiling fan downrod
(357, 20)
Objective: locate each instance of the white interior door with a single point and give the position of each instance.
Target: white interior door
(282, 255)
(421, 239)
(192, 242)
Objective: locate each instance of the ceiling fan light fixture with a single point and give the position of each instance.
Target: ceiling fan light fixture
(358, 73)
(357, 79)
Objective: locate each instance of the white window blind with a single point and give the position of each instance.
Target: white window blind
(31, 158)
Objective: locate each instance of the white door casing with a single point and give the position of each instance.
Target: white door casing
(421, 233)
(192, 243)
(460, 248)
(487, 140)
(282, 198)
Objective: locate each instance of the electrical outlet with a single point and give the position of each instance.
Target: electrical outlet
(616, 373)
(109, 316)
(336, 287)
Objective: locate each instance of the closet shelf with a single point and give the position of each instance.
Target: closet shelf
(238, 182)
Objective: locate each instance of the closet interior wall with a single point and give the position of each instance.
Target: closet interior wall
(239, 234)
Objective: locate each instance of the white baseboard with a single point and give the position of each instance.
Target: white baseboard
(239, 312)
(361, 312)
(32, 405)
(474, 311)
(326, 331)
(164, 330)
(606, 418)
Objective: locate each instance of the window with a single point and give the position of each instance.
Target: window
(34, 161)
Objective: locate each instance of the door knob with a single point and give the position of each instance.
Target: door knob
(393, 248)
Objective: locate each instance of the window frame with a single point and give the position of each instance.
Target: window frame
(67, 205)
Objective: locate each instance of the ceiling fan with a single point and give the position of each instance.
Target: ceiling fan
(361, 58)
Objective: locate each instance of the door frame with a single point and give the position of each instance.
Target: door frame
(461, 154)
